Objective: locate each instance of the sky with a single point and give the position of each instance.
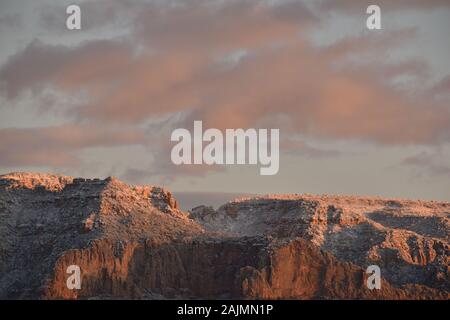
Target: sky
(363, 112)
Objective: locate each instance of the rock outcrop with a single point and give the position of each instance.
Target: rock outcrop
(134, 242)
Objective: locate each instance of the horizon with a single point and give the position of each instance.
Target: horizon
(189, 200)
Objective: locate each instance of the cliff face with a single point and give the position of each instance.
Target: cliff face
(408, 240)
(134, 242)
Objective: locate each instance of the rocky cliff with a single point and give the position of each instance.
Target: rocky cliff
(134, 242)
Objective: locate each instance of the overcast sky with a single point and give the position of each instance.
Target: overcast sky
(359, 111)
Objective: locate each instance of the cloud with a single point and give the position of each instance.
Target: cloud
(65, 68)
(434, 163)
(302, 148)
(442, 88)
(58, 146)
(96, 15)
(11, 21)
(231, 24)
(176, 60)
(359, 6)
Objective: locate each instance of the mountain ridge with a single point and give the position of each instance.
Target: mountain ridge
(135, 242)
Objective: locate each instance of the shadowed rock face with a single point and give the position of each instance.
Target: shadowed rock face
(134, 242)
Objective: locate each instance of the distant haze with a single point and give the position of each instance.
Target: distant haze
(189, 200)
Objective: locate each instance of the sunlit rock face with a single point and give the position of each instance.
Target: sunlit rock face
(134, 242)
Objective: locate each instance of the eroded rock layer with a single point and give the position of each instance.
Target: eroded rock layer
(134, 242)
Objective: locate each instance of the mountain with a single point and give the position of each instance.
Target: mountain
(134, 242)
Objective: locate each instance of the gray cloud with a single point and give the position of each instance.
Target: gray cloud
(427, 163)
(359, 6)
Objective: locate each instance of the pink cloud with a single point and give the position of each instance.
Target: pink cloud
(58, 146)
(169, 65)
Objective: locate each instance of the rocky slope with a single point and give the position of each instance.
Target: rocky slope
(134, 242)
